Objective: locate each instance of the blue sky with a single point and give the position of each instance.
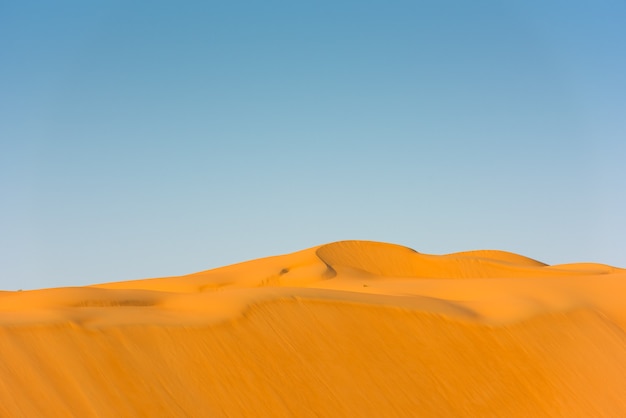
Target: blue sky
(160, 138)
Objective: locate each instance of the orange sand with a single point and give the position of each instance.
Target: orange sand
(348, 329)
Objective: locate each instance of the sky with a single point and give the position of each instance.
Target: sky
(146, 139)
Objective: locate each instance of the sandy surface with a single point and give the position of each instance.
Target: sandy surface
(346, 329)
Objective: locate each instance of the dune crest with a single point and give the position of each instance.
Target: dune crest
(390, 260)
(351, 328)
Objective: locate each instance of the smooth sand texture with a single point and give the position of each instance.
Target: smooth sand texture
(353, 328)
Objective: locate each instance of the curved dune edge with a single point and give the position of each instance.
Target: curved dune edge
(487, 286)
(353, 328)
(318, 358)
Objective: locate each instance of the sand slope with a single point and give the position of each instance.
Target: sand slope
(352, 328)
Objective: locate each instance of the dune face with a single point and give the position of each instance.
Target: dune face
(347, 329)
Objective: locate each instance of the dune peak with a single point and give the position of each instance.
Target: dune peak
(342, 329)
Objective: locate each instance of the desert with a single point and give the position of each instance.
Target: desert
(312, 209)
(350, 328)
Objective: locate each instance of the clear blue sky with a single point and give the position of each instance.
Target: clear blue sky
(162, 138)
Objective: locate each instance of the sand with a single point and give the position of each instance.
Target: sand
(347, 329)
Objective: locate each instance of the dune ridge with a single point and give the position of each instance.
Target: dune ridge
(352, 328)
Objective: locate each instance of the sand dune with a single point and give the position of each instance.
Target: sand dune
(352, 328)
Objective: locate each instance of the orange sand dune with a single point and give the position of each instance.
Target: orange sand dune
(352, 328)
